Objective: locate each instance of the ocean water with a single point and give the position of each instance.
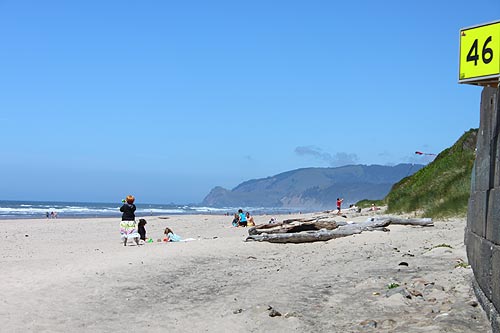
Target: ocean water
(39, 209)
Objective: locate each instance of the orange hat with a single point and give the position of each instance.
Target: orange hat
(130, 199)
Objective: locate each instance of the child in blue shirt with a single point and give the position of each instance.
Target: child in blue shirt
(243, 218)
(170, 236)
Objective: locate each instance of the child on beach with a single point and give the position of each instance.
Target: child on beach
(127, 225)
(236, 220)
(243, 218)
(170, 236)
(250, 221)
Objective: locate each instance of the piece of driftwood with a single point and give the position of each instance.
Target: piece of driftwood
(349, 229)
(310, 219)
(424, 222)
(281, 228)
(318, 219)
(268, 228)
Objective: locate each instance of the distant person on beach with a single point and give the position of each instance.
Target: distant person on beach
(127, 225)
(236, 220)
(141, 226)
(47, 214)
(250, 221)
(243, 218)
(339, 204)
(353, 207)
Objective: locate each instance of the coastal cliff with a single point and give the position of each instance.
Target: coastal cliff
(313, 187)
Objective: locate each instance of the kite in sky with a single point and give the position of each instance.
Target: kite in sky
(420, 153)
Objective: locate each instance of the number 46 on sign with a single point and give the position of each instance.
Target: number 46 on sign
(480, 53)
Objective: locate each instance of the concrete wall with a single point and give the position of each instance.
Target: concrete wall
(482, 234)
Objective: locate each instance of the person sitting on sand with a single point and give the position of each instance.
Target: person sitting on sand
(243, 218)
(250, 221)
(127, 225)
(170, 236)
(355, 208)
(236, 220)
(141, 226)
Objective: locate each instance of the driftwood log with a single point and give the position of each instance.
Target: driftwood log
(310, 219)
(281, 228)
(260, 234)
(424, 222)
(314, 218)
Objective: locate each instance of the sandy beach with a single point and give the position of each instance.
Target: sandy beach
(61, 275)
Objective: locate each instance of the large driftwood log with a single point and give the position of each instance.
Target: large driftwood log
(341, 231)
(281, 228)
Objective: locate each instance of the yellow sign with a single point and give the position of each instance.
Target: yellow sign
(479, 53)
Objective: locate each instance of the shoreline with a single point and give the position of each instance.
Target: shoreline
(78, 276)
(40, 209)
(144, 215)
(228, 213)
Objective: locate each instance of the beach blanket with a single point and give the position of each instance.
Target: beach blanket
(128, 230)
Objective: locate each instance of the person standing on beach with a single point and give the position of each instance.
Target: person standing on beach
(127, 225)
(339, 204)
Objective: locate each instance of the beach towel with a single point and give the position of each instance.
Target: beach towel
(128, 230)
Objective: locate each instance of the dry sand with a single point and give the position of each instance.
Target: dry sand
(74, 275)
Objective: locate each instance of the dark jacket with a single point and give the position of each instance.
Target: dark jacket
(128, 211)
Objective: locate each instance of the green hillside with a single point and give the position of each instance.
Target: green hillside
(442, 188)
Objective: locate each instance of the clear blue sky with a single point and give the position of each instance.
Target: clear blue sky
(167, 99)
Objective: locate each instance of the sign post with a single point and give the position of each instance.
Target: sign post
(479, 62)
